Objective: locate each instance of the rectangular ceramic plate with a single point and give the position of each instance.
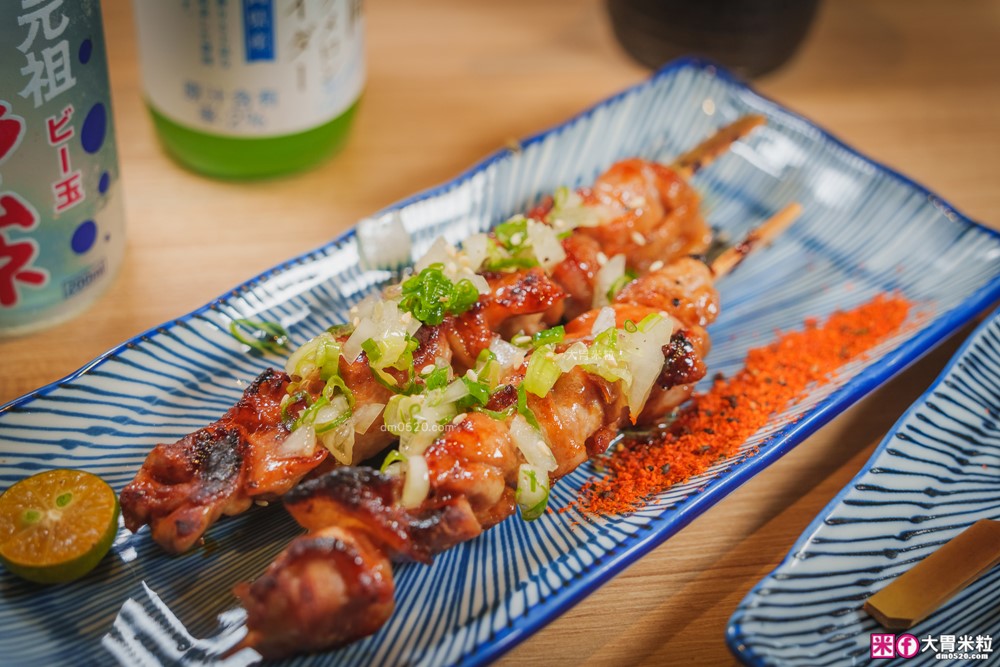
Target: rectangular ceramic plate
(865, 230)
(936, 473)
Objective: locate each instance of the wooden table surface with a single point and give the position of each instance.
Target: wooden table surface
(915, 83)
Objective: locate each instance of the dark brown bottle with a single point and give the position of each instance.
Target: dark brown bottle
(752, 37)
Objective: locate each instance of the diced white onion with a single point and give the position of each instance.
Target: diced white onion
(383, 243)
(363, 308)
(440, 252)
(365, 416)
(362, 332)
(531, 444)
(612, 270)
(528, 497)
(481, 285)
(477, 248)
(455, 391)
(546, 245)
(386, 325)
(605, 320)
(340, 442)
(418, 481)
(508, 356)
(300, 442)
(643, 351)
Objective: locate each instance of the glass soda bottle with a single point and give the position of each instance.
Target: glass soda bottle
(62, 225)
(251, 88)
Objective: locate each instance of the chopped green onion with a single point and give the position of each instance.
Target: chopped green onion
(513, 233)
(266, 336)
(430, 295)
(618, 284)
(543, 371)
(549, 336)
(504, 263)
(341, 329)
(499, 415)
(437, 378)
(336, 383)
(479, 394)
(392, 457)
(523, 409)
(532, 496)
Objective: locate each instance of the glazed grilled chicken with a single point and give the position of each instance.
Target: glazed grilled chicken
(334, 584)
(612, 261)
(185, 486)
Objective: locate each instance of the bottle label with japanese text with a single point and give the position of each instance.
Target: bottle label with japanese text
(61, 223)
(251, 68)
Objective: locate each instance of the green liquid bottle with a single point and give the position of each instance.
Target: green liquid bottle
(251, 88)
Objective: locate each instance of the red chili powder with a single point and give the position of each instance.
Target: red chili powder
(714, 425)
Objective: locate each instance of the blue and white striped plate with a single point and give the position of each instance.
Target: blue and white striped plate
(865, 230)
(936, 473)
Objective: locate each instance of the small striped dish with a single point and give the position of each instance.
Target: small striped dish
(936, 473)
(865, 230)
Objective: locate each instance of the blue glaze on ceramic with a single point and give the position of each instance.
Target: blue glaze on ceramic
(865, 230)
(936, 473)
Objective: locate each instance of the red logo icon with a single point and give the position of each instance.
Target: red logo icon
(11, 131)
(883, 646)
(907, 646)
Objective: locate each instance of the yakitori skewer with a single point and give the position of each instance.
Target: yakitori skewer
(562, 405)
(271, 439)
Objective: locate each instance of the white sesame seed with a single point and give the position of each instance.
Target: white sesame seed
(261, 503)
(638, 238)
(656, 266)
(517, 238)
(458, 418)
(602, 259)
(429, 368)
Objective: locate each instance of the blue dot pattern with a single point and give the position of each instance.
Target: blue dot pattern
(86, 50)
(95, 128)
(104, 183)
(84, 237)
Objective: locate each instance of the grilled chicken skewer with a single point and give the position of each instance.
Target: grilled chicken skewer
(334, 584)
(644, 210)
(249, 454)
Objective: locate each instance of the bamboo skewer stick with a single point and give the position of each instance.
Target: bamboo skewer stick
(690, 163)
(762, 235)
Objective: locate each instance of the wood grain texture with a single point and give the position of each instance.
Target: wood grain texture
(915, 83)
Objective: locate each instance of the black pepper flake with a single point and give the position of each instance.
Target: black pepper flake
(732, 400)
(665, 469)
(703, 449)
(677, 302)
(710, 431)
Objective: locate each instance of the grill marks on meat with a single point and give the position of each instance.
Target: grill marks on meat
(473, 477)
(516, 301)
(185, 486)
(332, 573)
